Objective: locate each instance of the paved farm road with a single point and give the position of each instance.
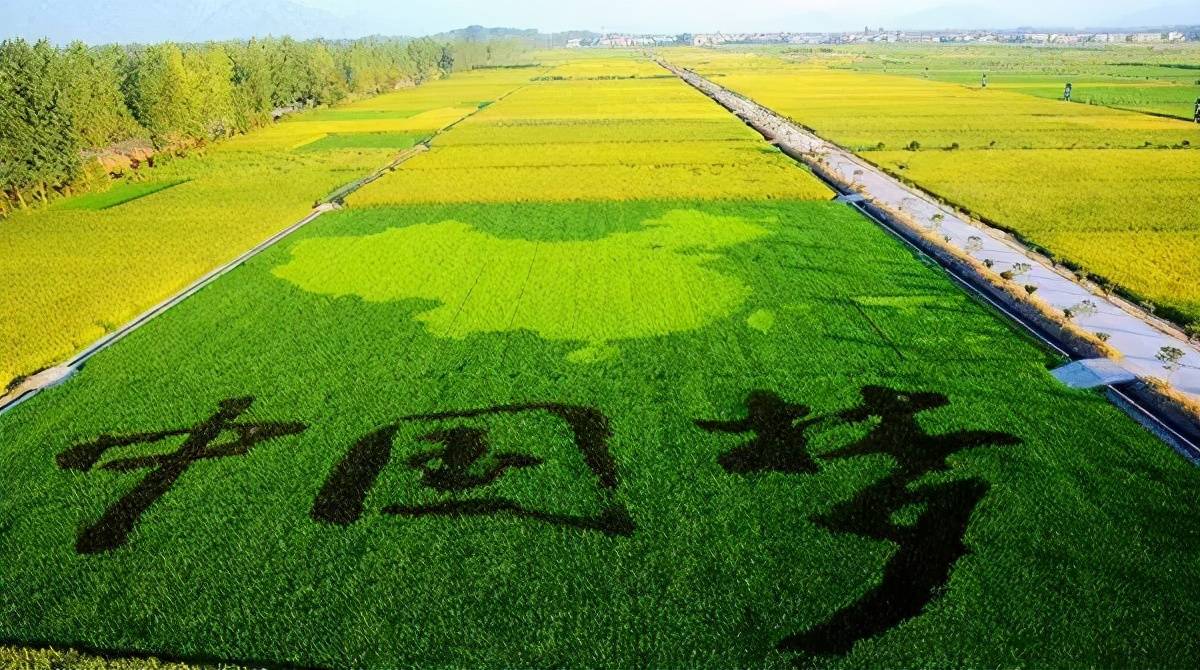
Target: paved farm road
(1138, 338)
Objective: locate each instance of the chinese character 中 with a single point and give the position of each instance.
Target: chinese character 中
(118, 521)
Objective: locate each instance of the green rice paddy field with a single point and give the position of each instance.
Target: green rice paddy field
(637, 421)
(1161, 79)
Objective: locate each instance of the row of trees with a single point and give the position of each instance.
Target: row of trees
(57, 105)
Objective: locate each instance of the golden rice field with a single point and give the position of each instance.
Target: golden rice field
(1104, 189)
(596, 131)
(69, 274)
(600, 65)
(566, 140)
(1139, 230)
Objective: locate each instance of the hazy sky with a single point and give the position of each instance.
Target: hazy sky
(105, 21)
(707, 15)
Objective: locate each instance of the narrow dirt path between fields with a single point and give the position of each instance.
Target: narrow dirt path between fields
(1138, 336)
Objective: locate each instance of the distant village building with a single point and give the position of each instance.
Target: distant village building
(621, 41)
(882, 36)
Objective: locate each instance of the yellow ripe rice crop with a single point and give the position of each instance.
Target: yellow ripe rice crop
(68, 274)
(862, 110)
(610, 64)
(1155, 79)
(74, 274)
(657, 154)
(612, 67)
(615, 99)
(290, 135)
(610, 182)
(595, 131)
(1128, 215)
(558, 141)
(429, 108)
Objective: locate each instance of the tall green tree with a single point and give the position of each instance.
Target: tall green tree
(446, 60)
(210, 91)
(253, 88)
(92, 95)
(324, 84)
(423, 54)
(39, 146)
(160, 96)
(288, 72)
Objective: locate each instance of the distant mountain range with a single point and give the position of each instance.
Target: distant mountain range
(482, 34)
(106, 21)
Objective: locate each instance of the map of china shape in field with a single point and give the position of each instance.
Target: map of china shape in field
(628, 285)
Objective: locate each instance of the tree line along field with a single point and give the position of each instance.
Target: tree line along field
(641, 420)
(1108, 191)
(80, 267)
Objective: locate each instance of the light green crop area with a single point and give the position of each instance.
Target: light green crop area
(626, 285)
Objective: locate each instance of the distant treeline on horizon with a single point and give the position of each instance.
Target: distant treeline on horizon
(59, 104)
